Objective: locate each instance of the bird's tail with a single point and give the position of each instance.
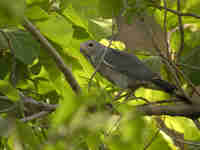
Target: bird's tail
(169, 88)
(164, 85)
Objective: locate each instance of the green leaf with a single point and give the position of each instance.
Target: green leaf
(8, 90)
(132, 127)
(3, 42)
(27, 136)
(68, 106)
(154, 63)
(43, 85)
(183, 125)
(6, 104)
(11, 12)
(5, 65)
(37, 2)
(86, 8)
(191, 64)
(80, 33)
(25, 46)
(189, 59)
(75, 17)
(4, 126)
(97, 31)
(158, 143)
(36, 68)
(110, 8)
(71, 61)
(94, 141)
(192, 6)
(36, 12)
(49, 64)
(57, 29)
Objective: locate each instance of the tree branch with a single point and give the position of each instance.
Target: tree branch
(35, 116)
(184, 110)
(51, 50)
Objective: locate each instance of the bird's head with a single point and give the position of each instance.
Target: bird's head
(90, 48)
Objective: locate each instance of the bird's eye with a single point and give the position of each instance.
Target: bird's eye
(90, 44)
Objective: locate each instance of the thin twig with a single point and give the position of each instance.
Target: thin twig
(35, 116)
(188, 142)
(178, 13)
(165, 31)
(190, 83)
(170, 66)
(102, 57)
(189, 66)
(186, 78)
(181, 31)
(32, 102)
(170, 132)
(51, 50)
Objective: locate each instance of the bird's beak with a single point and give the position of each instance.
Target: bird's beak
(83, 49)
(83, 46)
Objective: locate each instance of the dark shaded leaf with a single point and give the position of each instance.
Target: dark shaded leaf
(25, 46)
(110, 8)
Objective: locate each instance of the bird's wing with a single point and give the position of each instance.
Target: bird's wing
(128, 64)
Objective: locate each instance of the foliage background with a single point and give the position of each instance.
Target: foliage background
(44, 98)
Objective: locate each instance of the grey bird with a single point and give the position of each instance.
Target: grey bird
(123, 69)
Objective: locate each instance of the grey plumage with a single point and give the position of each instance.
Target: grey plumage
(121, 68)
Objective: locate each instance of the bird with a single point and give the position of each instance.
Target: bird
(123, 69)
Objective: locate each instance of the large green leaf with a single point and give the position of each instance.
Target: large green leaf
(11, 12)
(87, 8)
(75, 17)
(49, 72)
(191, 65)
(25, 46)
(57, 29)
(99, 30)
(36, 12)
(183, 125)
(93, 27)
(68, 106)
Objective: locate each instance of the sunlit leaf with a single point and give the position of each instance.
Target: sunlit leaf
(57, 29)
(11, 12)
